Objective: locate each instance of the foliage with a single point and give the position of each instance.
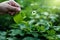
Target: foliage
(36, 21)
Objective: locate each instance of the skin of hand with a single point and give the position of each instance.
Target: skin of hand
(10, 7)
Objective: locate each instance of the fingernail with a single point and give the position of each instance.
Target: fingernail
(18, 9)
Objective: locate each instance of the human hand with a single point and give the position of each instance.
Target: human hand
(10, 7)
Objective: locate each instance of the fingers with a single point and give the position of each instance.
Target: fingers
(10, 7)
(13, 3)
(13, 9)
(16, 4)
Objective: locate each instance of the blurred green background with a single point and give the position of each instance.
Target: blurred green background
(37, 20)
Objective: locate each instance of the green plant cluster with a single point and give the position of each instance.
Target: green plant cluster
(36, 21)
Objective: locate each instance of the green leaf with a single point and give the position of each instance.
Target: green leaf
(22, 26)
(3, 33)
(51, 32)
(30, 38)
(18, 18)
(16, 31)
(35, 34)
(2, 37)
(11, 38)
